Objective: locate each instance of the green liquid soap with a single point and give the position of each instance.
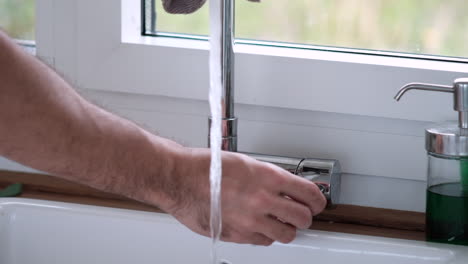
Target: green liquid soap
(447, 214)
(464, 174)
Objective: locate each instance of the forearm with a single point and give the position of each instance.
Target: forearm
(46, 125)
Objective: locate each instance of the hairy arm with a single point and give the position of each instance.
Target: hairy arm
(46, 125)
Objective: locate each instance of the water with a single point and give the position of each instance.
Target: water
(215, 130)
(447, 214)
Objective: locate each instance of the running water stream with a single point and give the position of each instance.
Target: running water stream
(215, 129)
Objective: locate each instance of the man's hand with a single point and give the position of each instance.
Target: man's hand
(185, 6)
(261, 203)
(46, 125)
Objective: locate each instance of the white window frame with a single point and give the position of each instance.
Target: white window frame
(97, 45)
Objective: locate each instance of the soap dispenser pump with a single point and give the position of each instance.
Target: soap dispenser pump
(447, 179)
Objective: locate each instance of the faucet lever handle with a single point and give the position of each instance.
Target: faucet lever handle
(326, 174)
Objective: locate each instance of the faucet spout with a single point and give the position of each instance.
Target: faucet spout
(424, 87)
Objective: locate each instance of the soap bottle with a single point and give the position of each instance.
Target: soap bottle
(447, 179)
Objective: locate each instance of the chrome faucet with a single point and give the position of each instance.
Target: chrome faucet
(325, 173)
(229, 121)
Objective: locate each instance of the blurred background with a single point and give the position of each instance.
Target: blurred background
(17, 17)
(437, 27)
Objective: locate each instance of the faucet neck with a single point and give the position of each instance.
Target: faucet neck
(226, 42)
(227, 57)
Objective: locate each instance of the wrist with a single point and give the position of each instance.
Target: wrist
(189, 178)
(163, 181)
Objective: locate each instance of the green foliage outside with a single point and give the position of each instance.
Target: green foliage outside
(437, 27)
(17, 17)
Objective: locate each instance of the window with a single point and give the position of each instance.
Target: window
(345, 98)
(429, 27)
(17, 18)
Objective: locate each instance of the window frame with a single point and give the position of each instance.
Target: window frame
(387, 53)
(125, 61)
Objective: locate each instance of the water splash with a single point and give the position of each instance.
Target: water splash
(215, 129)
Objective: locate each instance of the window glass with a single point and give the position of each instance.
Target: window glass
(436, 27)
(17, 18)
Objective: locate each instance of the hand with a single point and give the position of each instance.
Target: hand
(261, 203)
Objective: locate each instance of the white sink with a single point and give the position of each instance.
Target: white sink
(42, 232)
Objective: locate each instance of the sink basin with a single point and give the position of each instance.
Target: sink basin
(43, 232)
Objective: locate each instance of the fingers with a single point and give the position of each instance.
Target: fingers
(303, 191)
(256, 206)
(276, 230)
(260, 239)
(292, 212)
(266, 231)
(253, 238)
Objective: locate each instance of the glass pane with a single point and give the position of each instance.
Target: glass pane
(17, 18)
(437, 27)
(194, 24)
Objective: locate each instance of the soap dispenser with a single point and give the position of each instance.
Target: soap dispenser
(447, 179)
